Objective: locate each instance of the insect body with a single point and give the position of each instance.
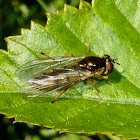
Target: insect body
(51, 75)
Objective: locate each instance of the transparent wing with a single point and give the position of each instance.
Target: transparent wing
(33, 68)
(59, 78)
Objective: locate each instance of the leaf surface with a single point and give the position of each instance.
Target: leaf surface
(111, 28)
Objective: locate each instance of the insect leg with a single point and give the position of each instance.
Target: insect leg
(87, 50)
(104, 77)
(46, 55)
(90, 80)
(71, 54)
(59, 95)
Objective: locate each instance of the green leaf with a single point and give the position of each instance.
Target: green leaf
(112, 27)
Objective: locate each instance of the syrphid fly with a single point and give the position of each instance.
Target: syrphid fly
(50, 75)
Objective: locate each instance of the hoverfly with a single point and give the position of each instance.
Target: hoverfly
(50, 75)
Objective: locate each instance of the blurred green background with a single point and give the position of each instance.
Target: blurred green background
(14, 15)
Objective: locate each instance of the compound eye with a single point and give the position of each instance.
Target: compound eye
(109, 67)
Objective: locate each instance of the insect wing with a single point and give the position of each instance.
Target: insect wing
(31, 69)
(59, 78)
